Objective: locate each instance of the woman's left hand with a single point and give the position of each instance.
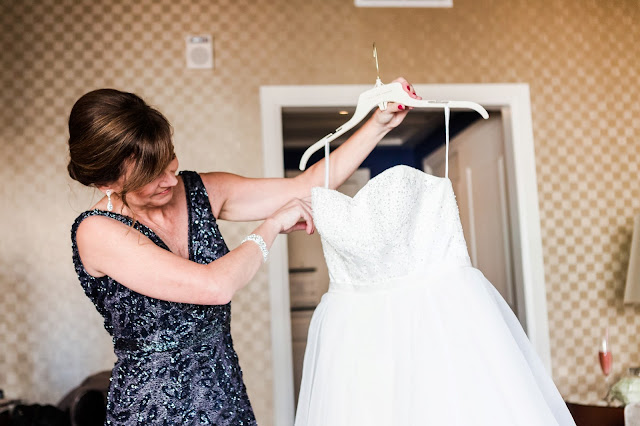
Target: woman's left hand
(395, 113)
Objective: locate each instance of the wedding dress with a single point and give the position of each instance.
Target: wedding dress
(409, 332)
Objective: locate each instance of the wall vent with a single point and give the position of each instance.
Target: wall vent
(404, 3)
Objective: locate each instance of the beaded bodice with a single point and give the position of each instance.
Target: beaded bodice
(401, 222)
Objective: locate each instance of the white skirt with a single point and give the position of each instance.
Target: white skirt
(442, 350)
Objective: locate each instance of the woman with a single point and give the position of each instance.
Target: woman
(150, 256)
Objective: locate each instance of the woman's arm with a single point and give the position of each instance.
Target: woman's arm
(109, 247)
(245, 199)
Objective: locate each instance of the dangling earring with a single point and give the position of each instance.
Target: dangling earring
(109, 204)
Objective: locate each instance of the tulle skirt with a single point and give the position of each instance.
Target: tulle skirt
(442, 349)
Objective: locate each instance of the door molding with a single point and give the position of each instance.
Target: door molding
(511, 99)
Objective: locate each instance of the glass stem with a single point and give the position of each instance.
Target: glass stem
(607, 388)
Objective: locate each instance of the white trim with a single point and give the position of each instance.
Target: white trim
(514, 98)
(281, 346)
(404, 3)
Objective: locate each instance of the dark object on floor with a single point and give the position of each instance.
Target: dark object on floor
(39, 415)
(592, 415)
(87, 403)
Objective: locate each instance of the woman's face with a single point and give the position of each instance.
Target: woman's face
(158, 192)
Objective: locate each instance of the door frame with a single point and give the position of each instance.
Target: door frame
(513, 100)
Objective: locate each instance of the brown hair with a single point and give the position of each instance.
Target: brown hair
(109, 129)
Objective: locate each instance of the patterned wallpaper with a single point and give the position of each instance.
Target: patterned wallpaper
(578, 56)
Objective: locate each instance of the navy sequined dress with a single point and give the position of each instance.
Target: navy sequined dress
(176, 363)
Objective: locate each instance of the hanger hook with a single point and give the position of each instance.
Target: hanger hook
(375, 55)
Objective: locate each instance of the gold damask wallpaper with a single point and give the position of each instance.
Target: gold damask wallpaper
(578, 56)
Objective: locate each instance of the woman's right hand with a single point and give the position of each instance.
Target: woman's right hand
(293, 216)
(393, 115)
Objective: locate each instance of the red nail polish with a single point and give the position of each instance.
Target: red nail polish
(408, 88)
(400, 107)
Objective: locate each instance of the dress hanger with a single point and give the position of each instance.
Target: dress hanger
(379, 95)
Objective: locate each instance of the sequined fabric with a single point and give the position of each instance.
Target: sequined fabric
(176, 363)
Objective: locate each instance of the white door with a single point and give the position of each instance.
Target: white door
(477, 172)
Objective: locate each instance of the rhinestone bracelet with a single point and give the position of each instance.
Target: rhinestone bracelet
(260, 242)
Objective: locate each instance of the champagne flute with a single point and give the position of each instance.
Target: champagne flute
(606, 359)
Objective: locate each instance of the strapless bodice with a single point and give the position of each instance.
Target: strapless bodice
(402, 222)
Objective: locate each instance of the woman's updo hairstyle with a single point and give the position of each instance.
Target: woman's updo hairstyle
(110, 130)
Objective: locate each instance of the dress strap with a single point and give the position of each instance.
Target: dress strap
(205, 241)
(197, 195)
(327, 164)
(447, 112)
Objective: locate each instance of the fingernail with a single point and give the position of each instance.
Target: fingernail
(401, 107)
(408, 88)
